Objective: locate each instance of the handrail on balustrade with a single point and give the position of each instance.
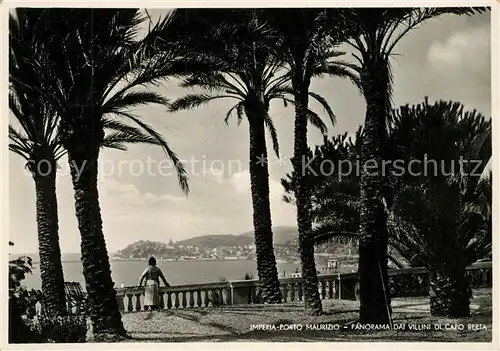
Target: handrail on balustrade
(132, 290)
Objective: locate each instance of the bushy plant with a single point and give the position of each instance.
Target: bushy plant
(22, 303)
(63, 329)
(25, 326)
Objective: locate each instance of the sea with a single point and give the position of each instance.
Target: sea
(128, 272)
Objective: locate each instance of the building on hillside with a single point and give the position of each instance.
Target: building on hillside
(332, 264)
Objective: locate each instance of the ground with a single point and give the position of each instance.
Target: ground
(233, 323)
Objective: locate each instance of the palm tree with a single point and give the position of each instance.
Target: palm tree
(335, 196)
(41, 148)
(445, 215)
(38, 146)
(252, 75)
(309, 51)
(374, 33)
(435, 220)
(39, 143)
(90, 66)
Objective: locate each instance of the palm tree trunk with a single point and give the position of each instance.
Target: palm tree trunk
(105, 316)
(450, 294)
(312, 300)
(259, 178)
(374, 282)
(51, 271)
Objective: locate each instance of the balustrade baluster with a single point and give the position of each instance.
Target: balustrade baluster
(162, 302)
(130, 306)
(284, 289)
(330, 289)
(337, 288)
(176, 296)
(205, 298)
(191, 298)
(292, 292)
(138, 301)
(169, 300)
(198, 298)
(184, 299)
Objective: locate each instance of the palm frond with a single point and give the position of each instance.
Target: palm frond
(191, 101)
(132, 99)
(119, 139)
(274, 134)
(342, 70)
(325, 106)
(212, 83)
(317, 122)
(179, 167)
(230, 112)
(329, 232)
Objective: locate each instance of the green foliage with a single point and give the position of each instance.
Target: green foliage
(22, 303)
(98, 81)
(251, 69)
(25, 326)
(63, 329)
(432, 217)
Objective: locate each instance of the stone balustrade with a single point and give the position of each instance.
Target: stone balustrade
(403, 282)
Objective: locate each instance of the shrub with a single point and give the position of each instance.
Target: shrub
(63, 329)
(24, 324)
(22, 304)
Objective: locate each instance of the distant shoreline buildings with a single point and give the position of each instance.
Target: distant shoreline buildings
(329, 256)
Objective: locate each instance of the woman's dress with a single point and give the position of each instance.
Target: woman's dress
(152, 288)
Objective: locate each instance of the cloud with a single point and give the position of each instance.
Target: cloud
(282, 213)
(240, 181)
(129, 194)
(462, 49)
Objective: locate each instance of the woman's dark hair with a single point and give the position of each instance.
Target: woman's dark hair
(152, 261)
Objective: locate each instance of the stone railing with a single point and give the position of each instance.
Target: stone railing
(403, 282)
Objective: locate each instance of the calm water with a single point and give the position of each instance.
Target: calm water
(177, 273)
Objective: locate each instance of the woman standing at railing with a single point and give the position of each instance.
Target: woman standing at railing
(152, 276)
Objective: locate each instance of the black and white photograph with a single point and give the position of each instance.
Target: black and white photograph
(249, 174)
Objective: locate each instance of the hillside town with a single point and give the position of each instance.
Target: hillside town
(176, 251)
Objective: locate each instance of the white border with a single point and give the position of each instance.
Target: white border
(4, 211)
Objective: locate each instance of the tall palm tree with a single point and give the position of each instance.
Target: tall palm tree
(252, 76)
(309, 51)
(435, 220)
(91, 65)
(39, 143)
(374, 33)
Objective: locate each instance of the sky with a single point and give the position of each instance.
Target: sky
(447, 58)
